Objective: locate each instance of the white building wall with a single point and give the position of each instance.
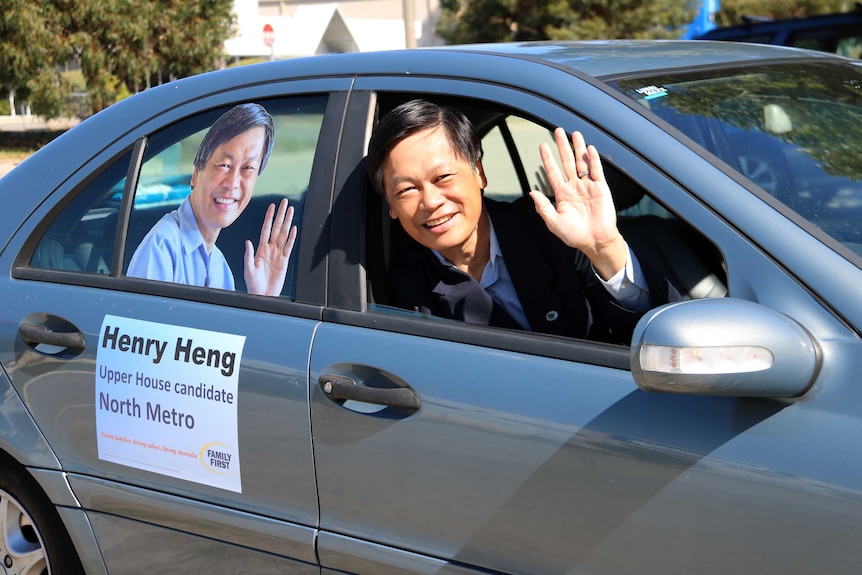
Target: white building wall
(309, 27)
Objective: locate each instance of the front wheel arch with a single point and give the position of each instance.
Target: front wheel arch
(33, 539)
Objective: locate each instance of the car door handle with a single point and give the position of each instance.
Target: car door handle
(70, 340)
(341, 387)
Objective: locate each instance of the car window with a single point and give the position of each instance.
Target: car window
(82, 237)
(511, 158)
(503, 179)
(512, 165)
(792, 130)
(511, 153)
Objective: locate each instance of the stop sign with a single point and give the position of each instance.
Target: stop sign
(268, 35)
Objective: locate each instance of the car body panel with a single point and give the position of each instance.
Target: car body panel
(272, 412)
(631, 467)
(19, 434)
(234, 527)
(80, 530)
(522, 453)
(129, 544)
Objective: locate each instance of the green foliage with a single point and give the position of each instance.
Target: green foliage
(464, 21)
(467, 21)
(123, 46)
(732, 11)
(28, 47)
(77, 97)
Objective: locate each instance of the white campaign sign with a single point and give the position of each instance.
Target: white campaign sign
(166, 400)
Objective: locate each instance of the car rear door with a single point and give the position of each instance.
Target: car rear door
(179, 414)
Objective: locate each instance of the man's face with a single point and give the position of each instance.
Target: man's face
(223, 188)
(436, 195)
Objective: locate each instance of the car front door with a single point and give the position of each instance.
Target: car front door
(447, 448)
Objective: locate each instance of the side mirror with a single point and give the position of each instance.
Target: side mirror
(723, 346)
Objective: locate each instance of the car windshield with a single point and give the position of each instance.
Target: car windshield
(794, 130)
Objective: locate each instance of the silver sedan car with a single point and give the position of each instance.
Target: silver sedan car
(157, 426)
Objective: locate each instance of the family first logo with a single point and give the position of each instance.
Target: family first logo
(217, 457)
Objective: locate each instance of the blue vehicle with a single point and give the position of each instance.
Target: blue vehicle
(838, 33)
(155, 426)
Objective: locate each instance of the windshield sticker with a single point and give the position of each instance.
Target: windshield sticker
(651, 92)
(166, 400)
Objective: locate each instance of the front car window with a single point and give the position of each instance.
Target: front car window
(794, 130)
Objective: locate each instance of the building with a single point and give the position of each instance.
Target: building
(308, 27)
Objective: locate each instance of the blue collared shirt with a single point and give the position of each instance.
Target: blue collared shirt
(174, 251)
(627, 286)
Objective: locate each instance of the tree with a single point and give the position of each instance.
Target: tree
(29, 46)
(121, 43)
(195, 36)
(733, 11)
(464, 21)
(122, 46)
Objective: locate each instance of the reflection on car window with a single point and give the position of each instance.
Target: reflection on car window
(791, 129)
(164, 187)
(81, 237)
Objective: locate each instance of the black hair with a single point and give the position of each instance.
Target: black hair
(231, 124)
(414, 116)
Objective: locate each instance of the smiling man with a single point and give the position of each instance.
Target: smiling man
(181, 247)
(561, 268)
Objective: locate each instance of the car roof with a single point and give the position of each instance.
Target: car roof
(610, 58)
(603, 60)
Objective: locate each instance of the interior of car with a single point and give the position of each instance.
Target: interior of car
(682, 254)
(82, 237)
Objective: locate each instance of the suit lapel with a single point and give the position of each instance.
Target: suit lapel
(530, 268)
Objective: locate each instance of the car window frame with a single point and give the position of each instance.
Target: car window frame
(347, 307)
(310, 293)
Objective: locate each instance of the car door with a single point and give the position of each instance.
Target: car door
(179, 413)
(448, 448)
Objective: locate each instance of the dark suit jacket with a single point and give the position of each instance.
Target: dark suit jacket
(555, 284)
